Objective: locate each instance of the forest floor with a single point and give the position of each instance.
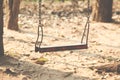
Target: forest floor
(23, 63)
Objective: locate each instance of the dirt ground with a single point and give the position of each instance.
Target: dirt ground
(20, 60)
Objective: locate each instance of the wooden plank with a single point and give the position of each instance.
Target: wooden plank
(61, 48)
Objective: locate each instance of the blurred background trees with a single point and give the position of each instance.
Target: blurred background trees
(102, 10)
(12, 11)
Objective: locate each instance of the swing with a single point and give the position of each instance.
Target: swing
(82, 45)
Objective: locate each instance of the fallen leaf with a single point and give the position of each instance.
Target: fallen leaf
(41, 60)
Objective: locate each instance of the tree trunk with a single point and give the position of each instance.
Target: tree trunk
(102, 10)
(1, 28)
(12, 11)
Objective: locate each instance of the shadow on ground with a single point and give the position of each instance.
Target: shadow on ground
(36, 72)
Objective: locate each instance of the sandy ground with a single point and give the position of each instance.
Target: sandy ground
(19, 62)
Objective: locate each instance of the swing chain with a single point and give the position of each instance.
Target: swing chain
(39, 27)
(87, 25)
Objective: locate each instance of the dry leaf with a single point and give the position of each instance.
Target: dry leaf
(41, 60)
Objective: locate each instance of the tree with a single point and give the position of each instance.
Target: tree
(12, 11)
(102, 10)
(1, 28)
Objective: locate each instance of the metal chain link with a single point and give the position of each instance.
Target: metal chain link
(87, 25)
(39, 26)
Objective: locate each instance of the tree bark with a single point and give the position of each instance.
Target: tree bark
(12, 11)
(1, 28)
(102, 10)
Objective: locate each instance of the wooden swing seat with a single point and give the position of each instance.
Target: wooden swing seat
(61, 48)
